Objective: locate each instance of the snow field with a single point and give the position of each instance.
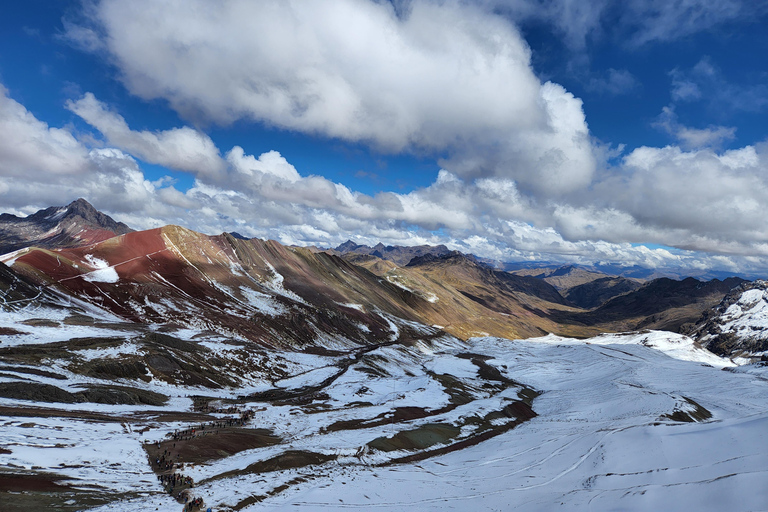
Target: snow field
(602, 440)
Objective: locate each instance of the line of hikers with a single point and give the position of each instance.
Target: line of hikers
(197, 431)
(175, 479)
(166, 465)
(194, 504)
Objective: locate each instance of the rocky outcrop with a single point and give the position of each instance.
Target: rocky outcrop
(738, 326)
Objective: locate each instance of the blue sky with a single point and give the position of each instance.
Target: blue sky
(624, 132)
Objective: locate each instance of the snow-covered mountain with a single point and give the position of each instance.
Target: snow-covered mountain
(738, 326)
(74, 225)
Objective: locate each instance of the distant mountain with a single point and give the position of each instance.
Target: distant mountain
(74, 225)
(596, 292)
(663, 303)
(396, 253)
(295, 297)
(544, 269)
(469, 298)
(738, 325)
(563, 278)
(464, 265)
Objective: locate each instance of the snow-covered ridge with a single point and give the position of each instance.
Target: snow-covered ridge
(677, 346)
(738, 326)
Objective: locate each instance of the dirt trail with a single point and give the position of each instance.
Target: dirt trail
(199, 443)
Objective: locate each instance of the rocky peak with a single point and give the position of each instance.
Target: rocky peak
(348, 246)
(738, 326)
(452, 256)
(73, 225)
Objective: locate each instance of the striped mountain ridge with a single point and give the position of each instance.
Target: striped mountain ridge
(285, 296)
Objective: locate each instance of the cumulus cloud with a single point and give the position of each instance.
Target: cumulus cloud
(699, 199)
(271, 163)
(41, 165)
(30, 146)
(688, 199)
(446, 79)
(183, 148)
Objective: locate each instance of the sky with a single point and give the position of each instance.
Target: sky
(624, 132)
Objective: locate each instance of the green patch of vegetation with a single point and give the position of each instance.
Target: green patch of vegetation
(419, 438)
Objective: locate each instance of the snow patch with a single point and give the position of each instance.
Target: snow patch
(57, 215)
(103, 272)
(674, 345)
(350, 305)
(262, 302)
(276, 284)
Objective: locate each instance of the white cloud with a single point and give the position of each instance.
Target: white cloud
(699, 200)
(443, 78)
(630, 22)
(29, 146)
(683, 88)
(693, 138)
(707, 83)
(662, 20)
(179, 148)
(575, 20)
(81, 36)
(522, 177)
(271, 163)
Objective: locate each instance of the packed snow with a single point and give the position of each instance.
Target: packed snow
(103, 272)
(749, 316)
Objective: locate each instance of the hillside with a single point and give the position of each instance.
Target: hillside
(663, 303)
(737, 327)
(599, 291)
(253, 288)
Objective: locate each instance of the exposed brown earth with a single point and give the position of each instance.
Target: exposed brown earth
(213, 444)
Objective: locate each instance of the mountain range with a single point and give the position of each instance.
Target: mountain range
(251, 287)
